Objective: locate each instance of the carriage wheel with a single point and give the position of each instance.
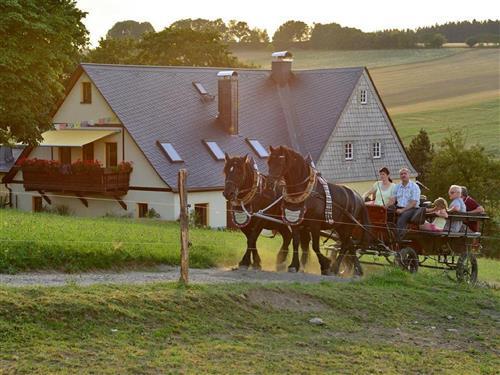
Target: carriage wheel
(407, 259)
(467, 268)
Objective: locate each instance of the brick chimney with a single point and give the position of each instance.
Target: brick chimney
(228, 100)
(281, 70)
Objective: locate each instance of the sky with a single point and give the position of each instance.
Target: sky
(367, 15)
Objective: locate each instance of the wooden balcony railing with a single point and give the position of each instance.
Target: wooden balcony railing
(102, 181)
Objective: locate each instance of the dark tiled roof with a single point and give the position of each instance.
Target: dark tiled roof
(161, 104)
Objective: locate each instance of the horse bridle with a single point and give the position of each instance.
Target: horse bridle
(257, 182)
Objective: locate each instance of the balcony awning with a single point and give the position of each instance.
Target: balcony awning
(74, 137)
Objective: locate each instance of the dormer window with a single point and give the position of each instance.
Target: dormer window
(215, 150)
(348, 151)
(258, 148)
(363, 96)
(170, 151)
(377, 150)
(86, 93)
(199, 87)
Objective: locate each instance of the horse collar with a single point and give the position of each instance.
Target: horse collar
(248, 197)
(302, 196)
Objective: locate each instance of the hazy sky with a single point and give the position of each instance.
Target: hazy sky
(367, 15)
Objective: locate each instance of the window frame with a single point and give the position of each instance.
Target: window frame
(363, 96)
(177, 158)
(349, 149)
(221, 157)
(377, 155)
(255, 150)
(86, 93)
(142, 210)
(203, 207)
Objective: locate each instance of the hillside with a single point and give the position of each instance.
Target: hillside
(389, 323)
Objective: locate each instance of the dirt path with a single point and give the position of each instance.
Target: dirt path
(164, 273)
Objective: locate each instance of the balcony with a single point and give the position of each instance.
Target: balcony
(78, 178)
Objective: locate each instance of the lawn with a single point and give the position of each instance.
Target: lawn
(48, 241)
(389, 323)
(480, 123)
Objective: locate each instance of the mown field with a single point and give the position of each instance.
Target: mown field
(42, 241)
(433, 89)
(389, 323)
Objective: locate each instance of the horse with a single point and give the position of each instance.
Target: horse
(244, 188)
(305, 200)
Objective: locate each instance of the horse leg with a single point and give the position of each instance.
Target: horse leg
(305, 238)
(324, 262)
(295, 265)
(245, 261)
(256, 263)
(286, 236)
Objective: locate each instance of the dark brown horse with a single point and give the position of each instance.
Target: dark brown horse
(306, 196)
(244, 188)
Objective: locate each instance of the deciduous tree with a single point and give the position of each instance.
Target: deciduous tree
(129, 30)
(421, 152)
(291, 32)
(40, 43)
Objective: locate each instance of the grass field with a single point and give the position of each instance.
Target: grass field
(314, 59)
(390, 323)
(480, 123)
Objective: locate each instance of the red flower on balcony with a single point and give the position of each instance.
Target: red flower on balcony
(86, 166)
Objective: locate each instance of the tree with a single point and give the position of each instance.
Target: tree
(178, 46)
(129, 30)
(115, 51)
(421, 153)
(239, 31)
(454, 163)
(434, 40)
(471, 41)
(40, 43)
(291, 32)
(202, 24)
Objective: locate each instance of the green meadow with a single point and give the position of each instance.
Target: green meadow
(390, 323)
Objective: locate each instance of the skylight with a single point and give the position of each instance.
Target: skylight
(200, 88)
(258, 148)
(216, 151)
(172, 154)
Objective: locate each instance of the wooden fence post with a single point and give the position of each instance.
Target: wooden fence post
(184, 224)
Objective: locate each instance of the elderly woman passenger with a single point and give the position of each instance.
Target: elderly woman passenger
(457, 205)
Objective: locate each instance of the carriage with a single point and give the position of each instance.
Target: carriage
(446, 250)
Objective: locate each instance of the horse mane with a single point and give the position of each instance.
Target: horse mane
(295, 160)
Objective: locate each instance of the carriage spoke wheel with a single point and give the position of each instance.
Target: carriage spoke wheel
(407, 259)
(467, 268)
(347, 265)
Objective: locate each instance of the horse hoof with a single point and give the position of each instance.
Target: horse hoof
(242, 267)
(326, 273)
(292, 269)
(257, 267)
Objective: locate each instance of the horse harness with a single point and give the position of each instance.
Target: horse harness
(293, 205)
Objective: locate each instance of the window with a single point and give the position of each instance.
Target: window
(258, 148)
(216, 151)
(86, 93)
(111, 154)
(363, 97)
(142, 209)
(200, 88)
(377, 151)
(65, 155)
(37, 204)
(88, 151)
(170, 151)
(201, 214)
(348, 151)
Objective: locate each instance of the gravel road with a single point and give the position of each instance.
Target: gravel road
(163, 273)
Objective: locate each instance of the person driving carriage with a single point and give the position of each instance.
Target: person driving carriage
(406, 197)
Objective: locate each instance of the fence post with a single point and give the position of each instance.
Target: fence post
(184, 224)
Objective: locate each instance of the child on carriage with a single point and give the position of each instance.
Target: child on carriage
(439, 209)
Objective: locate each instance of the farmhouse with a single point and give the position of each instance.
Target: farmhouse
(161, 119)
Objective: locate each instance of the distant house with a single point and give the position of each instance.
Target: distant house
(165, 118)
